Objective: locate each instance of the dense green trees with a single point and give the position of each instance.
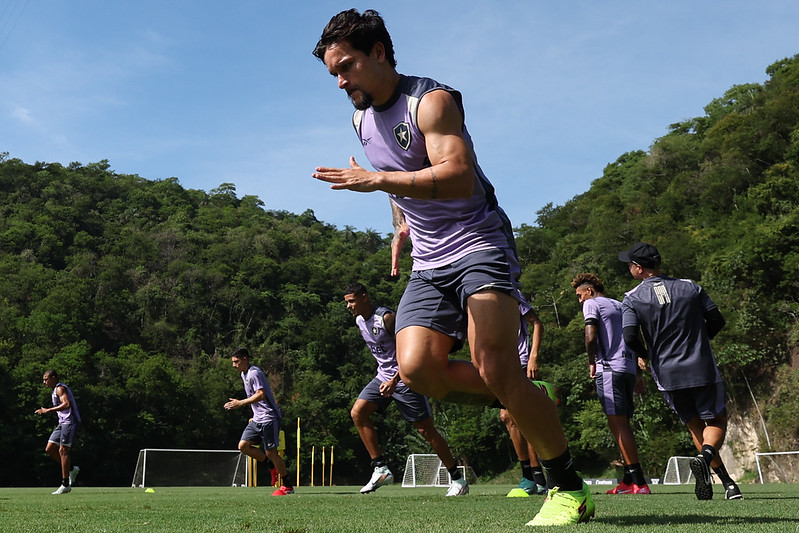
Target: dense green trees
(137, 291)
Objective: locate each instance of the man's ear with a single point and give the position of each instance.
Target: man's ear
(379, 51)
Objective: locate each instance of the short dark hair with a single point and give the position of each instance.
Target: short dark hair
(357, 289)
(587, 278)
(361, 31)
(51, 373)
(241, 352)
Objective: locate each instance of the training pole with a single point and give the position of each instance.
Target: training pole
(323, 466)
(330, 479)
(313, 456)
(298, 451)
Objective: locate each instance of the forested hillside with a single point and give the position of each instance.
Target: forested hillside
(136, 291)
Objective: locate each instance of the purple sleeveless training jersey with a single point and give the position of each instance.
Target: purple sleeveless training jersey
(71, 413)
(381, 343)
(441, 231)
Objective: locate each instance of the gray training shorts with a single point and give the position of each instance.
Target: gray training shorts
(413, 406)
(436, 298)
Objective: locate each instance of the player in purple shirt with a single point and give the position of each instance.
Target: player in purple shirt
(677, 320)
(264, 427)
(377, 329)
(60, 442)
(463, 284)
(616, 373)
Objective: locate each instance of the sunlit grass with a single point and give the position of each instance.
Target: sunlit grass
(765, 508)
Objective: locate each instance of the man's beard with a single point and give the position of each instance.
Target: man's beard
(365, 102)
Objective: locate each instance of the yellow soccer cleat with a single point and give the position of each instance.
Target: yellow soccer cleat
(565, 507)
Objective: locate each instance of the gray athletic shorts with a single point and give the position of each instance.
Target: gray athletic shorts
(615, 392)
(412, 406)
(706, 402)
(64, 434)
(266, 432)
(436, 298)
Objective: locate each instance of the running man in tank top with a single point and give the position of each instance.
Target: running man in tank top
(264, 426)
(463, 283)
(60, 442)
(616, 374)
(377, 329)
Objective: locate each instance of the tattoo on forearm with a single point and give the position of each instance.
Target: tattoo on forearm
(434, 192)
(413, 180)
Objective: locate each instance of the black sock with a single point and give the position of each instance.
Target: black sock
(561, 473)
(527, 472)
(65, 481)
(627, 478)
(454, 473)
(635, 473)
(708, 452)
(378, 462)
(724, 476)
(538, 476)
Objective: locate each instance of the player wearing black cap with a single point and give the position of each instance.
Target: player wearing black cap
(677, 319)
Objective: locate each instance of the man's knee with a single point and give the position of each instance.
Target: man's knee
(426, 429)
(359, 418)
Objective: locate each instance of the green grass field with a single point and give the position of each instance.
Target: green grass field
(766, 508)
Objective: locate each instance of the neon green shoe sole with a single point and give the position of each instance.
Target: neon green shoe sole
(565, 507)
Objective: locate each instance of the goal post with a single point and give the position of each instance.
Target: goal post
(427, 470)
(172, 467)
(778, 467)
(678, 471)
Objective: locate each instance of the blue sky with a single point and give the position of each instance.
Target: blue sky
(214, 92)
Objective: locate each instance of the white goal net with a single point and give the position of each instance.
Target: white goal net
(162, 467)
(778, 467)
(678, 471)
(426, 470)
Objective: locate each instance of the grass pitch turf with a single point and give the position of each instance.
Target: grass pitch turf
(765, 508)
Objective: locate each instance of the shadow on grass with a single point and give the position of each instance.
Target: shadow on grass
(693, 519)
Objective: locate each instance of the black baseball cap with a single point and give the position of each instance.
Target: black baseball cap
(642, 254)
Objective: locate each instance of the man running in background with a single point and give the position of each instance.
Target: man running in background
(264, 427)
(377, 329)
(60, 442)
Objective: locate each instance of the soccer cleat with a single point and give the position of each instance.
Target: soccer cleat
(529, 487)
(73, 474)
(700, 470)
(732, 492)
(62, 490)
(562, 508)
(283, 491)
(630, 488)
(274, 474)
(458, 487)
(381, 476)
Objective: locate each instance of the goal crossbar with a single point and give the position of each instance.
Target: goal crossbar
(758, 456)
